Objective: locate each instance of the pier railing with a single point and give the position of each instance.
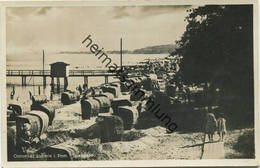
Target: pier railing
(48, 73)
(28, 73)
(90, 73)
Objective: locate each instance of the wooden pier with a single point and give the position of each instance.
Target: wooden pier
(72, 73)
(47, 73)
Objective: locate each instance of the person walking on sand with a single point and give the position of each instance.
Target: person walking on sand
(210, 125)
(80, 89)
(221, 127)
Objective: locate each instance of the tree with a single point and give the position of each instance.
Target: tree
(217, 48)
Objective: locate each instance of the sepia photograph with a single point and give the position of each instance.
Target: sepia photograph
(129, 81)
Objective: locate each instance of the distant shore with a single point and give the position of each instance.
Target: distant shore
(160, 49)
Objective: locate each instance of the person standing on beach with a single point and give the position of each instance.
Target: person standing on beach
(92, 91)
(210, 125)
(221, 128)
(80, 89)
(85, 87)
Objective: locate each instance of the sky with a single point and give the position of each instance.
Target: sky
(31, 29)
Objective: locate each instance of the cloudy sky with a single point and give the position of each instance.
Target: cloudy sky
(31, 29)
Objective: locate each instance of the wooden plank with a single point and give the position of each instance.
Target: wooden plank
(214, 150)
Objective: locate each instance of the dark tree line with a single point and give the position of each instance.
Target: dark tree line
(217, 48)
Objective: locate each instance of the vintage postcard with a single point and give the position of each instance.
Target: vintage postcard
(129, 83)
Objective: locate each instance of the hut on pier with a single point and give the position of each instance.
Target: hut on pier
(59, 69)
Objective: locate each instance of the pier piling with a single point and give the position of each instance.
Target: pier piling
(85, 80)
(106, 79)
(44, 81)
(58, 84)
(39, 90)
(52, 83)
(65, 83)
(23, 80)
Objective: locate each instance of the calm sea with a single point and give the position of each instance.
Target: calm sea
(76, 61)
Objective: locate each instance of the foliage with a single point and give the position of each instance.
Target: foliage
(245, 144)
(217, 48)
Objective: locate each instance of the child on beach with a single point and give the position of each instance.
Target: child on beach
(210, 124)
(221, 128)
